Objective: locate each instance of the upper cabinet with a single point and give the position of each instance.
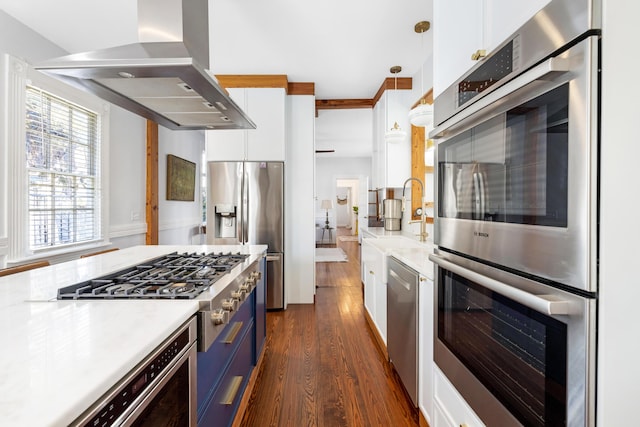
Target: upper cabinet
(391, 161)
(469, 29)
(267, 108)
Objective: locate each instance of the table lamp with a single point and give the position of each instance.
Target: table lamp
(326, 204)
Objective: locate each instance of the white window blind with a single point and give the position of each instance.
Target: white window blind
(62, 150)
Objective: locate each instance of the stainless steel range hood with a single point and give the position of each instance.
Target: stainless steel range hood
(165, 76)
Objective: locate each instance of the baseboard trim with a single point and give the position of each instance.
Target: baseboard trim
(379, 341)
(422, 420)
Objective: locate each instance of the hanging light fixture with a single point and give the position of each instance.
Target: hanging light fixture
(422, 114)
(395, 134)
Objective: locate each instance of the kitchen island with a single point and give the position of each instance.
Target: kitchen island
(61, 356)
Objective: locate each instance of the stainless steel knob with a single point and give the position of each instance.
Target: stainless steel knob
(239, 294)
(230, 304)
(256, 275)
(219, 316)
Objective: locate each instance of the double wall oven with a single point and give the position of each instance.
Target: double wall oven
(516, 223)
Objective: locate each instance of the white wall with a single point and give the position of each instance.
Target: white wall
(619, 287)
(179, 220)
(328, 170)
(127, 179)
(299, 267)
(20, 41)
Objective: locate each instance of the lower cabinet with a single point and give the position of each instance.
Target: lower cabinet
(425, 349)
(221, 408)
(260, 320)
(369, 290)
(224, 369)
(449, 407)
(375, 290)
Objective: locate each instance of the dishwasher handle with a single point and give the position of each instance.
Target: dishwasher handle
(400, 280)
(546, 304)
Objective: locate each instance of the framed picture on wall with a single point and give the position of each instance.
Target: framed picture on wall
(181, 179)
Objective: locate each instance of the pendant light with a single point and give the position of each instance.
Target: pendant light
(395, 134)
(422, 114)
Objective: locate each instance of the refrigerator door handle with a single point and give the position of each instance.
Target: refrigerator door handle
(244, 238)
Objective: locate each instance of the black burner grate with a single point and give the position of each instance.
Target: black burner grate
(172, 276)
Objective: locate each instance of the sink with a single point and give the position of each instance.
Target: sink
(379, 249)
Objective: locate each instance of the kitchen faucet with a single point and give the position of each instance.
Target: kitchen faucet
(423, 224)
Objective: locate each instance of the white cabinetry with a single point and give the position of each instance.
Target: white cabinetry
(483, 26)
(267, 108)
(391, 162)
(450, 409)
(425, 348)
(375, 287)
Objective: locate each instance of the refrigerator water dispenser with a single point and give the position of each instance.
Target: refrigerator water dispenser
(225, 221)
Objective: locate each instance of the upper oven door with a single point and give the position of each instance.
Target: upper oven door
(515, 172)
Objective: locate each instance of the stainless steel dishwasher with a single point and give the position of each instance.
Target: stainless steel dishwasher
(402, 324)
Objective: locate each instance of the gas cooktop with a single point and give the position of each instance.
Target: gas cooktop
(172, 276)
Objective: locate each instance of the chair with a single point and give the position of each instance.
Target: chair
(98, 253)
(23, 267)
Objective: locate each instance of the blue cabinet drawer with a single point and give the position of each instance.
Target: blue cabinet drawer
(220, 410)
(212, 363)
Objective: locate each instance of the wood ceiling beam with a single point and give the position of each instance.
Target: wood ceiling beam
(342, 104)
(298, 88)
(308, 88)
(391, 83)
(428, 98)
(253, 80)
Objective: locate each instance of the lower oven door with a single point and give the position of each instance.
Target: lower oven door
(519, 352)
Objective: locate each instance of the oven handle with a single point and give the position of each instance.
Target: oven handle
(543, 71)
(547, 304)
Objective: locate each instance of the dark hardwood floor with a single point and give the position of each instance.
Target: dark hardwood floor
(321, 366)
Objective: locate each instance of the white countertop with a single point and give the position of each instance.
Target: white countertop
(381, 232)
(59, 357)
(414, 254)
(418, 259)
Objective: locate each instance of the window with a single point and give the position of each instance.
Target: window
(62, 167)
(56, 140)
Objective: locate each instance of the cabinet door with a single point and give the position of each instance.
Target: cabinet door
(381, 307)
(450, 408)
(457, 35)
(379, 151)
(425, 348)
(266, 107)
(228, 144)
(398, 154)
(369, 291)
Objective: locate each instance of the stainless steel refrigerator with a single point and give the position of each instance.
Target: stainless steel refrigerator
(245, 206)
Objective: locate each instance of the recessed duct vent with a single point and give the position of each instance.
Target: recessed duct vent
(165, 77)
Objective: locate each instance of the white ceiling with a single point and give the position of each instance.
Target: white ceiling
(345, 47)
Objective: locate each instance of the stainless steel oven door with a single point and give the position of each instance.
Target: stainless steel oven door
(518, 351)
(160, 391)
(516, 172)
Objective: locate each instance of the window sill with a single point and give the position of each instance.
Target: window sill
(62, 254)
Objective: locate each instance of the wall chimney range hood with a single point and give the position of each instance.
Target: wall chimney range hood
(165, 77)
